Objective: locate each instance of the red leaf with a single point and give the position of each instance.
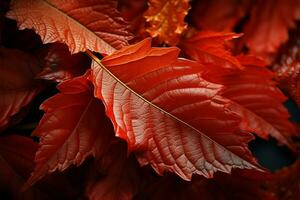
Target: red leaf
(166, 112)
(91, 24)
(269, 24)
(17, 86)
(73, 127)
(120, 178)
(208, 47)
(259, 101)
(59, 65)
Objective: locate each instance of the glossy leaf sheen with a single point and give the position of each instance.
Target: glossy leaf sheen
(91, 24)
(73, 127)
(192, 132)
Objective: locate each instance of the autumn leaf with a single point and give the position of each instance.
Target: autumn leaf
(118, 177)
(92, 24)
(168, 114)
(218, 15)
(267, 30)
(17, 85)
(59, 64)
(259, 100)
(166, 19)
(208, 47)
(246, 81)
(73, 127)
(270, 99)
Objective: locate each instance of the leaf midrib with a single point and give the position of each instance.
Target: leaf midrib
(97, 60)
(76, 21)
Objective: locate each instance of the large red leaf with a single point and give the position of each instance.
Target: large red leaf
(268, 26)
(17, 86)
(208, 47)
(73, 127)
(168, 114)
(166, 19)
(91, 24)
(117, 175)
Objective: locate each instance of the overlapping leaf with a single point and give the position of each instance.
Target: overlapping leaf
(92, 24)
(73, 128)
(258, 97)
(17, 85)
(59, 65)
(269, 24)
(168, 114)
(208, 47)
(166, 19)
(260, 102)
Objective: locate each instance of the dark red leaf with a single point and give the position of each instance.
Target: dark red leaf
(218, 15)
(59, 65)
(17, 86)
(118, 176)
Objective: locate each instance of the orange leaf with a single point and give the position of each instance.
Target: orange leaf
(166, 19)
